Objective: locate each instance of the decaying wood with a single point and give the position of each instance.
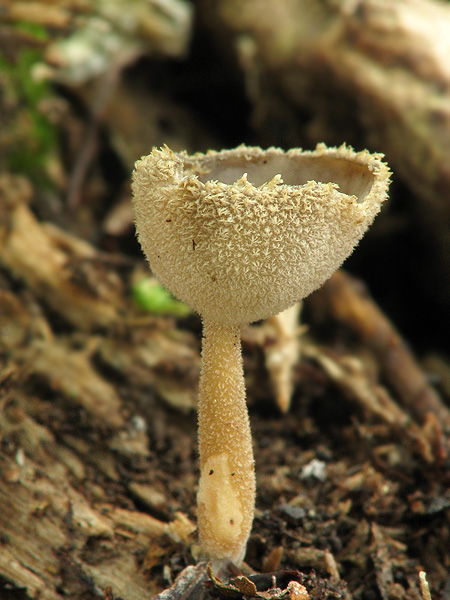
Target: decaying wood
(424, 587)
(346, 300)
(348, 374)
(83, 287)
(67, 436)
(163, 27)
(279, 337)
(283, 354)
(364, 71)
(53, 265)
(54, 536)
(387, 57)
(189, 585)
(50, 15)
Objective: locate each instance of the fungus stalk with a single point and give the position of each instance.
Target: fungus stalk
(226, 493)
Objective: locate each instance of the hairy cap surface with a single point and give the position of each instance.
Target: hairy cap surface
(243, 234)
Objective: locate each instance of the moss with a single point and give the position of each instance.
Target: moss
(28, 138)
(34, 30)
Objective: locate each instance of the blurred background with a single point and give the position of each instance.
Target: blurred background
(88, 87)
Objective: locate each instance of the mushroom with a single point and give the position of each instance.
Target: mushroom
(241, 235)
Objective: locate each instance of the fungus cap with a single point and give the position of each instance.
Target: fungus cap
(243, 234)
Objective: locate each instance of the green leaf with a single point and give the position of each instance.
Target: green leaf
(151, 296)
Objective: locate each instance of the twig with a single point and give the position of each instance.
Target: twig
(424, 587)
(346, 300)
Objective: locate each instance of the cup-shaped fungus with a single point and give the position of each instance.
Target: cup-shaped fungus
(241, 235)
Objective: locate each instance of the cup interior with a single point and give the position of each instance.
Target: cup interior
(353, 178)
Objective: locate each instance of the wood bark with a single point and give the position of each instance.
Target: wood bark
(372, 72)
(74, 456)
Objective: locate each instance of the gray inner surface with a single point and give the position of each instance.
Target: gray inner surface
(352, 178)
